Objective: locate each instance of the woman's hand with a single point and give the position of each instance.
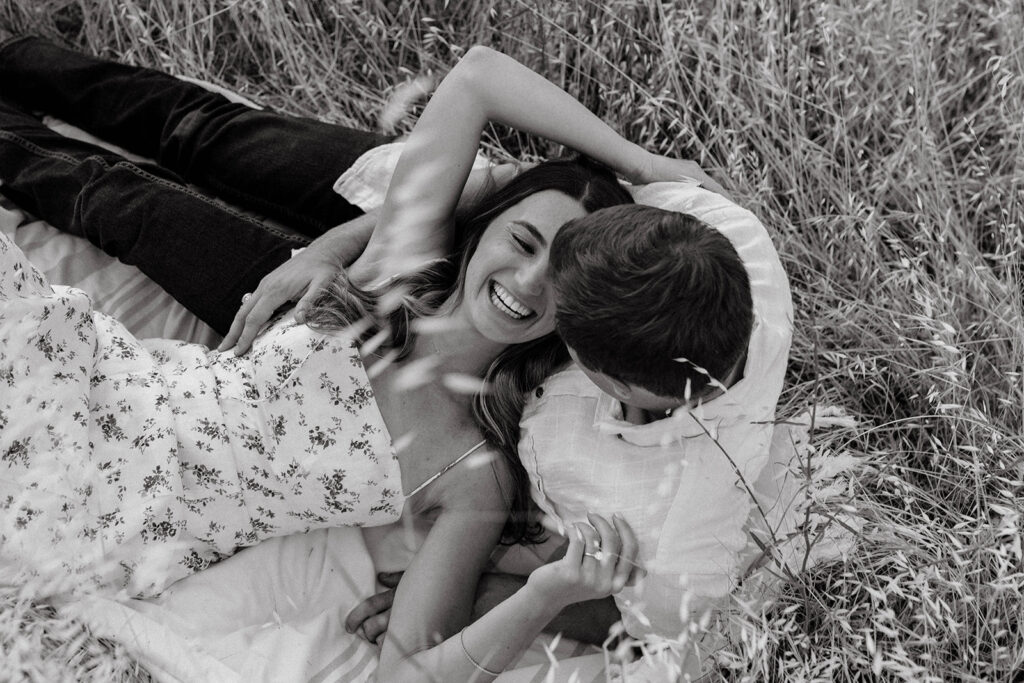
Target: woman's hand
(300, 278)
(600, 560)
(656, 168)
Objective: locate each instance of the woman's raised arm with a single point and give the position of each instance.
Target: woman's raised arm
(487, 86)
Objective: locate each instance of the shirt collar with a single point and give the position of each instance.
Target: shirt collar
(682, 424)
(746, 401)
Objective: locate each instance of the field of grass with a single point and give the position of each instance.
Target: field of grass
(881, 142)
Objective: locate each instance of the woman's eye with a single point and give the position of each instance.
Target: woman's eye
(523, 244)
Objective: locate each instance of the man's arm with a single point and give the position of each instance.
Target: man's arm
(304, 275)
(300, 278)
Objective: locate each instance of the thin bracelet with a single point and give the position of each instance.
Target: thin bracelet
(462, 639)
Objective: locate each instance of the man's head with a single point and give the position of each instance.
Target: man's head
(653, 304)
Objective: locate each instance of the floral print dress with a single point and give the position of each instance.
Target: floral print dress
(130, 464)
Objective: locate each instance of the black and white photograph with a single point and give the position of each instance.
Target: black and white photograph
(563, 341)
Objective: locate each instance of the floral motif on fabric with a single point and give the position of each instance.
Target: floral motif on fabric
(131, 463)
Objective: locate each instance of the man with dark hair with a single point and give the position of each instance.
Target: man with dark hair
(654, 305)
(680, 331)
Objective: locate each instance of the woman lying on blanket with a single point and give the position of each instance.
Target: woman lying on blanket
(136, 463)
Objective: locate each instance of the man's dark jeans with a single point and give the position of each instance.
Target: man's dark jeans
(204, 254)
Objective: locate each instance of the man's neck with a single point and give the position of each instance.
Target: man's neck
(639, 416)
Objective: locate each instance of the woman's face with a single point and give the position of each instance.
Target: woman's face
(507, 296)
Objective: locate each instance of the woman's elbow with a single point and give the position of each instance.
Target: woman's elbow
(478, 64)
(480, 56)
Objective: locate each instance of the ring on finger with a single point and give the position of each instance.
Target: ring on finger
(246, 297)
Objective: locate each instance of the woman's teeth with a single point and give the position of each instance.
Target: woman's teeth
(508, 304)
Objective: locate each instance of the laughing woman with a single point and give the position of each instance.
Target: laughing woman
(131, 464)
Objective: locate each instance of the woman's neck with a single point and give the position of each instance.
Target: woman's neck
(455, 346)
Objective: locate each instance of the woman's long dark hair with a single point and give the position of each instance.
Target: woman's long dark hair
(518, 369)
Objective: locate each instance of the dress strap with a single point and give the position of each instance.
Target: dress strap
(444, 469)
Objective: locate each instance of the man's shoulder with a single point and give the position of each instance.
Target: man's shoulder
(563, 409)
(570, 381)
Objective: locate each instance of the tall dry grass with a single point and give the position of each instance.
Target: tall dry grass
(879, 140)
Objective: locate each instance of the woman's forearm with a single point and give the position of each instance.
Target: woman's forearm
(488, 86)
(498, 638)
(511, 93)
(436, 594)
(598, 562)
(588, 622)
(484, 86)
(490, 643)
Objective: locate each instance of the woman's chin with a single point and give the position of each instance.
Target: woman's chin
(505, 330)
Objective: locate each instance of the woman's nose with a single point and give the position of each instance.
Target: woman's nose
(533, 276)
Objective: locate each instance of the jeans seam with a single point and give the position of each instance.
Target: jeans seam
(133, 168)
(269, 207)
(32, 147)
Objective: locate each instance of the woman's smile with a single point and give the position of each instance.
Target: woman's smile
(508, 298)
(508, 304)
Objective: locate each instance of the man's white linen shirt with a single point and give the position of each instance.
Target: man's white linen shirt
(681, 482)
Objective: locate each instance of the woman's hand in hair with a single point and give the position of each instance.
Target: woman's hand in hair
(657, 168)
(600, 561)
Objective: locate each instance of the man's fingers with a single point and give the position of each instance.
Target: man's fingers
(372, 606)
(624, 570)
(306, 302)
(257, 318)
(248, 335)
(376, 626)
(233, 332)
(390, 579)
(237, 324)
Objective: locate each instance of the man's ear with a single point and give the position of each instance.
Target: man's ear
(620, 390)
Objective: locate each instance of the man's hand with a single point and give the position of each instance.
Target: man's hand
(300, 278)
(370, 618)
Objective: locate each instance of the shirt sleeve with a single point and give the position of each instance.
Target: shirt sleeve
(365, 183)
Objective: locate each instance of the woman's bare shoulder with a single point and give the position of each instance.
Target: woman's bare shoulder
(482, 482)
